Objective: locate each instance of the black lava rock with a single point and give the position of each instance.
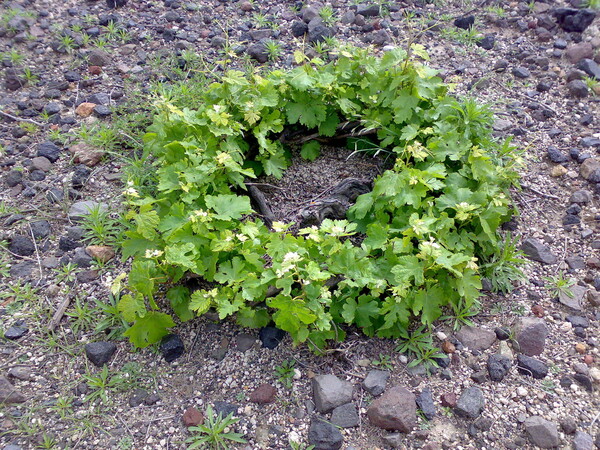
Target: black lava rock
(532, 367)
(41, 229)
(570, 219)
(498, 366)
(590, 67)
(502, 333)
(66, 244)
(521, 72)
(487, 43)
(21, 245)
(555, 155)
(225, 408)
(324, 435)
(271, 337)
(425, 403)
(49, 150)
(171, 347)
(13, 178)
(319, 33)
(584, 381)
(465, 22)
(258, 53)
(17, 331)
(299, 28)
(80, 176)
(100, 353)
(574, 20)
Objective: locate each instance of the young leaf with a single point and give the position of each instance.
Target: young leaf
(149, 329)
(311, 150)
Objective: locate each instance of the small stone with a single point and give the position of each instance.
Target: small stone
(171, 347)
(263, 394)
(86, 154)
(464, 22)
(521, 72)
(471, 403)
(448, 399)
(556, 156)
(577, 88)
(448, 347)
(258, 52)
(41, 229)
(345, 416)
(575, 300)
(41, 163)
(396, 409)
(577, 52)
(537, 251)
(21, 245)
(152, 399)
(574, 20)
(425, 403)
(99, 353)
(99, 57)
(192, 417)
(578, 321)
(530, 333)
(8, 393)
(299, 29)
(16, 332)
(531, 367)
(475, 338)
(498, 366)
(589, 167)
(102, 253)
(502, 333)
(375, 381)
(20, 373)
(580, 348)
(568, 425)
(324, 435)
(558, 171)
(245, 342)
(49, 151)
(330, 392)
(85, 109)
(138, 397)
(394, 440)
(542, 432)
(271, 337)
(583, 441)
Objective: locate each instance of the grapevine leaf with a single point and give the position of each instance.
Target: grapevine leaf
(428, 302)
(229, 206)
(200, 302)
(149, 329)
(146, 223)
(141, 277)
(408, 267)
(329, 126)
(311, 150)
(179, 296)
(131, 307)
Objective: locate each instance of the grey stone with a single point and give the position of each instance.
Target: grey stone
(368, 10)
(20, 373)
(425, 403)
(537, 251)
(83, 208)
(475, 338)
(556, 156)
(542, 432)
(375, 381)
(138, 397)
(49, 151)
(589, 167)
(171, 347)
(324, 435)
(298, 28)
(13, 178)
(100, 353)
(470, 403)
(531, 367)
(581, 197)
(577, 89)
(530, 333)
(568, 425)
(81, 258)
(8, 393)
(330, 392)
(245, 342)
(590, 67)
(21, 245)
(258, 52)
(345, 416)
(584, 381)
(498, 366)
(396, 409)
(394, 440)
(41, 229)
(99, 57)
(521, 72)
(576, 300)
(16, 332)
(578, 321)
(319, 33)
(583, 441)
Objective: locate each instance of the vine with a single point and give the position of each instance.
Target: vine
(427, 224)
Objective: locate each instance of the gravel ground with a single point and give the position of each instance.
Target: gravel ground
(72, 65)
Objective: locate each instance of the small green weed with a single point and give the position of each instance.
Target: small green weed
(384, 362)
(102, 383)
(327, 15)
(83, 316)
(66, 273)
(100, 227)
(503, 268)
(273, 49)
(419, 345)
(559, 284)
(467, 37)
(213, 432)
(285, 373)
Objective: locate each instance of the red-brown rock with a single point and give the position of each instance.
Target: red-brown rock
(396, 409)
(192, 417)
(263, 394)
(448, 399)
(86, 154)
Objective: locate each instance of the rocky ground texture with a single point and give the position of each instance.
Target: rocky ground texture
(75, 73)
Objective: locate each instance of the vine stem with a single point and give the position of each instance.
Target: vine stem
(21, 119)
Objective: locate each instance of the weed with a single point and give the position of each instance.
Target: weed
(497, 10)
(100, 227)
(67, 43)
(261, 20)
(111, 30)
(548, 386)
(66, 273)
(592, 84)
(273, 49)
(213, 432)
(558, 284)
(29, 75)
(16, 295)
(503, 268)
(285, 373)
(461, 314)
(63, 406)
(419, 345)
(384, 362)
(4, 265)
(13, 56)
(593, 4)
(295, 445)
(467, 37)
(327, 15)
(447, 411)
(101, 384)
(84, 316)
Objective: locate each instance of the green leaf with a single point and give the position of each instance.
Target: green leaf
(408, 268)
(131, 307)
(428, 302)
(200, 302)
(311, 150)
(253, 318)
(275, 165)
(229, 206)
(141, 277)
(146, 223)
(329, 126)
(149, 329)
(182, 254)
(179, 297)
(362, 312)
(308, 114)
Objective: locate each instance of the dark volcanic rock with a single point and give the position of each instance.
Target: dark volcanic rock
(532, 367)
(571, 19)
(464, 22)
(8, 393)
(470, 403)
(425, 403)
(49, 150)
(498, 366)
(100, 353)
(324, 435)
(375, 381)
(271, 337)
(590, 67)
(345, 416)
(171, 347)
(537, 251)
(542, 432)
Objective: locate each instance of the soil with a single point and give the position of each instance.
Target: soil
(141, 403)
